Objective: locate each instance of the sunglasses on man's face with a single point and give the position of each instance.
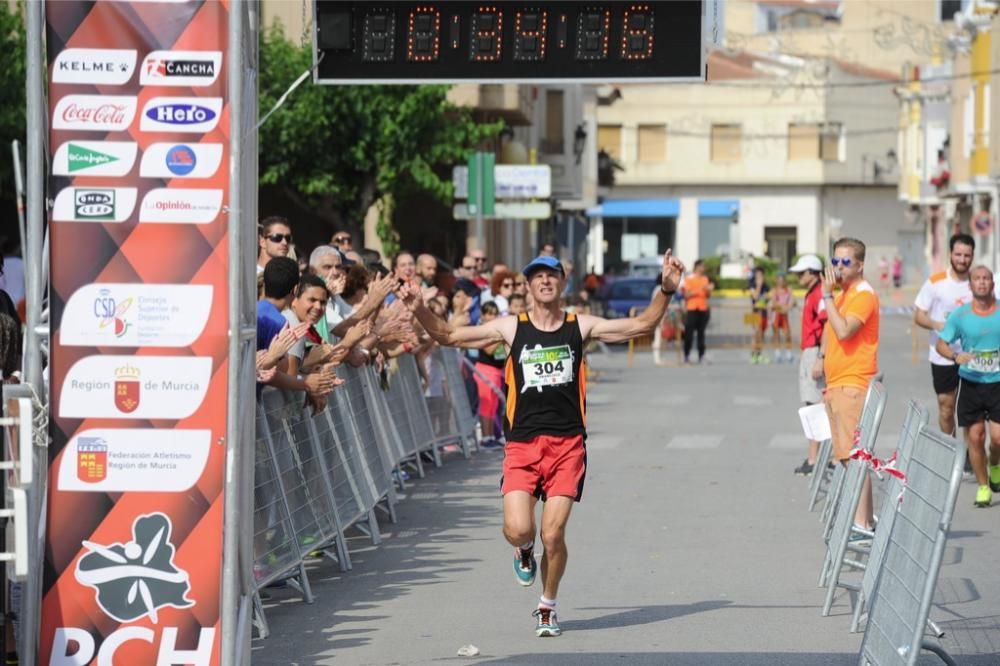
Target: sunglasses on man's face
(845, 262)
(342, 239)
(469, 267)
(277, 238)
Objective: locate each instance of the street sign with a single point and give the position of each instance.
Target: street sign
(534, 210)
(389, 41)
(511, 181)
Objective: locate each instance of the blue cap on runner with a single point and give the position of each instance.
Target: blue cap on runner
(543, 261)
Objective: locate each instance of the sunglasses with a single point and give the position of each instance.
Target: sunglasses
(277, 238)
(506, 284)
(840, 262)
(480, 259)
(468, 267)
(342, 239)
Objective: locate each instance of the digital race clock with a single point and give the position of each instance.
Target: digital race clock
(424, 42)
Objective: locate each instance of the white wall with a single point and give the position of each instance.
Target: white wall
(872, 215)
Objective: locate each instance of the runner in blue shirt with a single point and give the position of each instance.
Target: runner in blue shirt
(976, 326)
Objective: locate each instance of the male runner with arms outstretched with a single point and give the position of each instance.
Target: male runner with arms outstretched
(545, 457)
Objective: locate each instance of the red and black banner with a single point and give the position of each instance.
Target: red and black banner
(139, 141)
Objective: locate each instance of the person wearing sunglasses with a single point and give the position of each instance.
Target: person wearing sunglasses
(342, 241)
(850, 355)
(275, 240)
(502, 288)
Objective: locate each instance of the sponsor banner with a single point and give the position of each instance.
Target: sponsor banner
(111, 67)
(94, 204)
(193, 115)
(173, 205)
(181, 160)
(94, 113)
(135, 315)
(143, 460)
(94, 158)
(190, 69)
(134, 516)
(135, 387)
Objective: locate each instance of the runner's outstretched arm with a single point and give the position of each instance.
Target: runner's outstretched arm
(473, 337)
(620, 330)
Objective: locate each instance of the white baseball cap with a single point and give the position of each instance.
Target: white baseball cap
(807, 262)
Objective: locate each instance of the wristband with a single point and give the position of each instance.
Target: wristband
(667, 293)
(827, 295)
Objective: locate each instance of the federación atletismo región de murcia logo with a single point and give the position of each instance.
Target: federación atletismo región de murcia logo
(137, 578)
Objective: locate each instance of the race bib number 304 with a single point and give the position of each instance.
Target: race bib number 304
(985, 361)
(546, 366)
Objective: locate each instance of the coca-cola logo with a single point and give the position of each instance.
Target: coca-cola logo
(92, 112)
(105, 113)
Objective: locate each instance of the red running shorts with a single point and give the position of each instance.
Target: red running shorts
(546, 466)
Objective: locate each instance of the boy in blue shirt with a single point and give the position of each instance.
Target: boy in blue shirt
(976, 326)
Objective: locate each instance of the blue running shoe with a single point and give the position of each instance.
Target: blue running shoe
(525, 566)
(547, 625)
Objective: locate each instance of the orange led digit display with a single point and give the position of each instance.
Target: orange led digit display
(593, 30)
(486, 42)
(637, 33)
(423, 35)
(531, 27)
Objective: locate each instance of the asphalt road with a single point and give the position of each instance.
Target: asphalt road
(693, 544)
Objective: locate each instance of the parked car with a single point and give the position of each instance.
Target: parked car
(619, 295)
(645, 267)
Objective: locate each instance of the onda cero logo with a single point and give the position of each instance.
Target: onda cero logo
(195, 115)
(94, 204)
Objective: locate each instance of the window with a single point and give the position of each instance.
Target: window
(803, 141)
(609, 139)
(812, 141)
(553, 143)
(948, 8)
(652, 143)
(727, 143)
(830, 138)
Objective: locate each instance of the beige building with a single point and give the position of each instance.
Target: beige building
(776, 155)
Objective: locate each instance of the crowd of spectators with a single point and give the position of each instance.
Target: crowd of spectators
(339, 306)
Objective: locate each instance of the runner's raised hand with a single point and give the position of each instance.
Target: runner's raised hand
(673, 271)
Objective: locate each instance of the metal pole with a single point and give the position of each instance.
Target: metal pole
(232, 588)
(15, 147)
(480, 227)
(36, 115)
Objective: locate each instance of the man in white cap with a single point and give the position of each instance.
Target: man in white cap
(810, 269)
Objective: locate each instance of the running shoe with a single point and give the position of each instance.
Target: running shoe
(805, 469)
(525, 566)
(995, 478)
(984, 496)
(547, 625)
(491, 443)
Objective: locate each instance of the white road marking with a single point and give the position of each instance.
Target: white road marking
(791, 440)
(752, 401)
(695, 442)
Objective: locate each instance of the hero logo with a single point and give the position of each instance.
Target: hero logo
(133, 580)
(104, 66)
(181, 114)
(181, 68)
(94, 113)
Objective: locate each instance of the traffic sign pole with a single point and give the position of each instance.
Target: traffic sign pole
(479, 229)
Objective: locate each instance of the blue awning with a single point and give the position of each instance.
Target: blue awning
(718, 207)
(636, 208)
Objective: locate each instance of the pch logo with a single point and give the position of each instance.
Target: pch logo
(137, 578)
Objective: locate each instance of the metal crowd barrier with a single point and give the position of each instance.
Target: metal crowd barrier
(465, 418)
(842, 526)
(319, 474)
(822, 474)
(903, 593)
(916, 417)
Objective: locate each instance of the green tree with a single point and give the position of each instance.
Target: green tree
(337, 150)
(12, 91)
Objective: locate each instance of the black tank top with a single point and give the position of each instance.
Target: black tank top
(546, 383)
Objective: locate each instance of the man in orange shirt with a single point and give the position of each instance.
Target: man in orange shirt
(696, 290)
(849, 353)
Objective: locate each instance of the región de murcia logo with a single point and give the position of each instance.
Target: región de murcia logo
(137, 578)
